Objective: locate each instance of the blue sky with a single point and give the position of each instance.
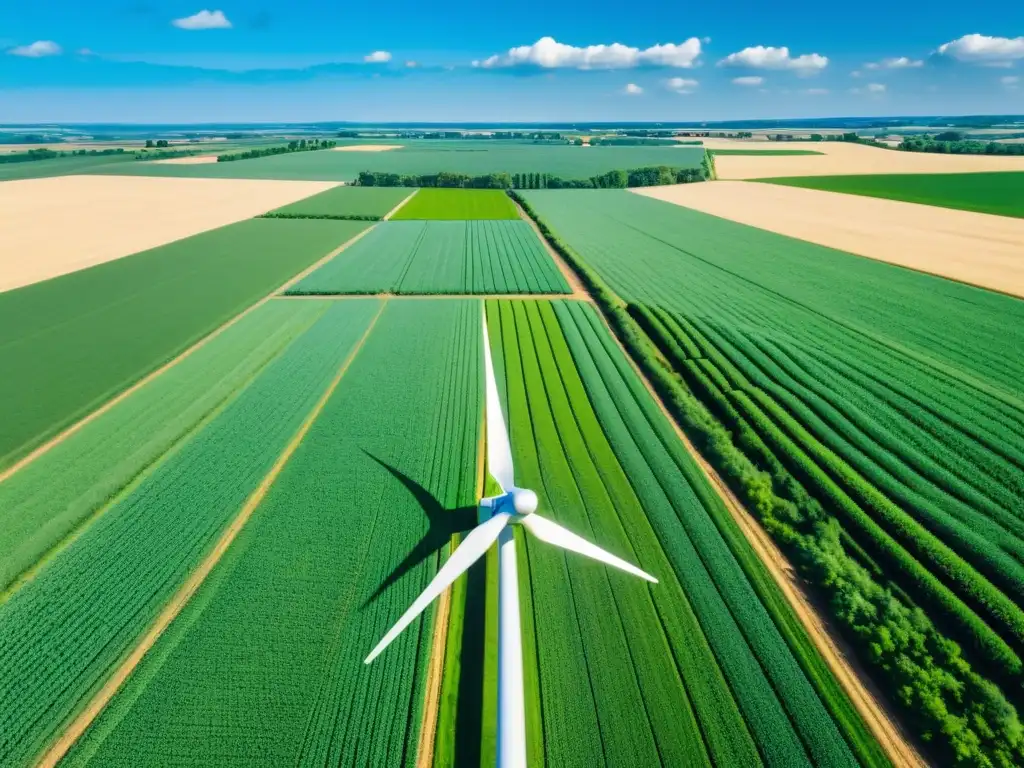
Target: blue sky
(143, 61)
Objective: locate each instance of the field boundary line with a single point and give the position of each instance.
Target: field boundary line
(387, 216)
(64, 434)
(56, 752)
(579, 291)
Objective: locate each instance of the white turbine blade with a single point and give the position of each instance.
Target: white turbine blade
(552, 533)
(472, 548)
(499, 451)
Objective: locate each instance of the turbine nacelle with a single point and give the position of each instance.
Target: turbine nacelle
(517, 503)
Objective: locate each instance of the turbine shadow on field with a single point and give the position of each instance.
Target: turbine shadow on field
(442, 523)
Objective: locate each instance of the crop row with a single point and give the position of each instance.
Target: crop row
(71, 343)
(61, 632)
(888, 419)
(264, 667)
(98, 461)
(692, 671)
(431, 257)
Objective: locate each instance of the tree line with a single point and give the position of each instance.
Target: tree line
(49, 154)
(956, 143)
(616, 179)
(300, 145)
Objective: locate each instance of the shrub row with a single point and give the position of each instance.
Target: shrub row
(963, 718)
(292, 146)
(335, 216)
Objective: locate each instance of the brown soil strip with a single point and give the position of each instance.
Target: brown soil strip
(579, 292)
(864, 694)
(59, 438)
(93, 708)
(391, 213)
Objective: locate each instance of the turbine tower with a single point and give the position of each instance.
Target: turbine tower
(497, 515)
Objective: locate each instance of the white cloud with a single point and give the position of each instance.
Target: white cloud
(900, 62)
(412, 64)
(632, 89)
(753, 80)
(816, 91)
(377, 57)
(982, 49)
(204, 20)
(855, 73)
(548, 53)
(1010, 82)
(681, 85)
(875, 89)
(761, 57)
(37, 49)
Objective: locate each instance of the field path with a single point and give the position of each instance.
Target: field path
(978, 249)
(394, 210)
(93, 708)
(59, 438)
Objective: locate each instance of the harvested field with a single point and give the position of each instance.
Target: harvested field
(839, 158)
(440, 257)
(368, 148)
(975, 248)
(193, 160)
(50, 227)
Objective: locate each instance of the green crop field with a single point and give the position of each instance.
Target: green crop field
(70, 343)
(764, 152)
(61, 632)
(907, 428)
(425, 157)
(264, 667)
(440, 257)
(692, 671)
(997, 193)
(457, 204)
(63, 166)
(342, 202)
(99, 460)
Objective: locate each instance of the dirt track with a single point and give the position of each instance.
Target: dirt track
(52, 226)
(975, 248)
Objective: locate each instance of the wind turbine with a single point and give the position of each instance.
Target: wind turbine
(497, 515)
